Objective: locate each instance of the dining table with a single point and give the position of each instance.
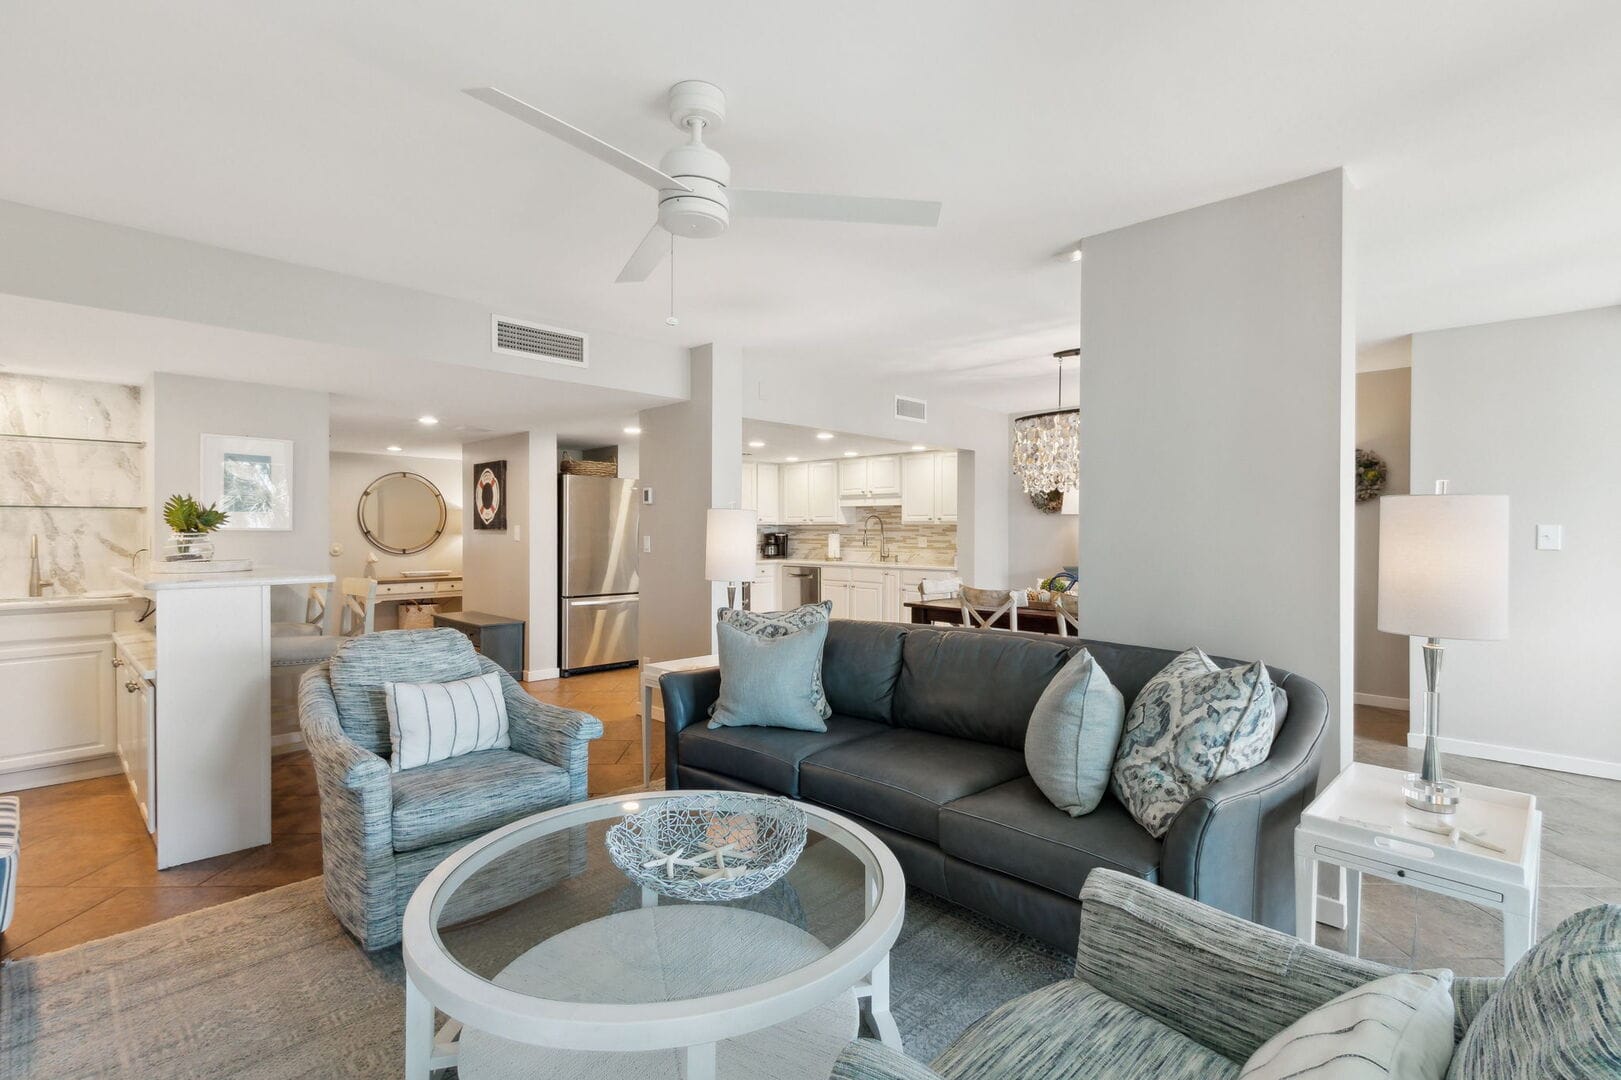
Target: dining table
(1036, 620)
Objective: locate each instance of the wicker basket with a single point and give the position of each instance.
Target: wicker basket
(417, 616)
(575, 467)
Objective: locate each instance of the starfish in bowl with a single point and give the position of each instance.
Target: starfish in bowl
(669, 860)
(722, 873)
(719, 853)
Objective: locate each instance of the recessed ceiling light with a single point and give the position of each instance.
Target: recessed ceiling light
(824, 434)
(1074, 255)
(395, 449)
(790, 459)
(427, 419)
(849, 453)
(919, 446)
(756, 443)
(633, 430)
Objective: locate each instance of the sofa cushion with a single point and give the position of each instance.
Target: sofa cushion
(467, 796)
(860, 666)
(975, 684)
(766, 757)
(770, 680)
(360, 667)
(1399, 1026)
(1012, 828)
(901, 778)
(1069, 744)
(1557, 1013)
(1072, 1031)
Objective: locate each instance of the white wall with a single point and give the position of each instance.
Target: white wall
(350, 476)
(495, 565)
(184, 408)
(1216, 423)
(1528, 409)
(691, 460)
(1382, 425)
(1039, 545)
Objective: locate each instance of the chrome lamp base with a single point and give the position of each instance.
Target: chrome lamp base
(1427, 790)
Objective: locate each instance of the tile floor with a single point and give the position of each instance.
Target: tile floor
(88, 868)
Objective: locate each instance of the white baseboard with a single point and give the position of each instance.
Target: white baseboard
(286, 742)
(65, 773)
(1514, 755)
(1381, 701)
(536, 674)
(1331, 912)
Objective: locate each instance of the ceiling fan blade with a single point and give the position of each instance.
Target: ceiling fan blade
(649, 253)
(852, 208)
(576, 138)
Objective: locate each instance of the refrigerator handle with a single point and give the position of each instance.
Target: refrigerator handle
(629, 599)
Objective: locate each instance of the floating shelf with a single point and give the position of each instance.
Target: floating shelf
(72, 438)
(63, 506)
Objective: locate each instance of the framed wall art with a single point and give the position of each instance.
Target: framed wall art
(250, 479)
(490, 495)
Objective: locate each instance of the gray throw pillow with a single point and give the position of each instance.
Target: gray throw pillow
(1069, 745)
(1193, 724)
(771, 670)
(1557, 1014)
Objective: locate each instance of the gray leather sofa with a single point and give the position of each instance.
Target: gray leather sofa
(925, 747)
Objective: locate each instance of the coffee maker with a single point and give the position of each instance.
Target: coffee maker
(774, 545)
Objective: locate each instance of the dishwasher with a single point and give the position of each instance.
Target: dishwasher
(800, 585)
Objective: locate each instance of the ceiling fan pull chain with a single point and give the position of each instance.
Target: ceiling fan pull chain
(672, 320)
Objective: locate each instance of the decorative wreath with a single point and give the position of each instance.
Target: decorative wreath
(1371, 474)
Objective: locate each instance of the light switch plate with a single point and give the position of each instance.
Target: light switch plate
(1550, 537)
(647, 543)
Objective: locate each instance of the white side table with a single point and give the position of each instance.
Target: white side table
(651, 674)
(1360, 822)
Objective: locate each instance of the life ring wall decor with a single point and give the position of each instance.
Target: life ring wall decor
(490, 495)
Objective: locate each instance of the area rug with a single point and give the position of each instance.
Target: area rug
(271, 986)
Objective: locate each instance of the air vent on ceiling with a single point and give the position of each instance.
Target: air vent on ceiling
(537, 342)
(911, 408)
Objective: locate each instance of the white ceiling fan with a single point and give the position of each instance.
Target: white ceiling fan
(693, 181)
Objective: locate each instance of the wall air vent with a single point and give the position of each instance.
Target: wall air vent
(549, 343)
(911, 408)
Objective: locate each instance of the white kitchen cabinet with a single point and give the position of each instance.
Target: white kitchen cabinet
(795, 483)
(929, 487)
(892, 596)
(767, 494)
(137, 724)
(748, 497)
(867, 595)
(836, 590)
(852, 478)
(766, 592)
(870, 477)
(823, 482)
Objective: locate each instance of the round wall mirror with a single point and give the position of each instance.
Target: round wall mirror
(402, 513)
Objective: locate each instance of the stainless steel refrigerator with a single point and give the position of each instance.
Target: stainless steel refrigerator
(597, 549)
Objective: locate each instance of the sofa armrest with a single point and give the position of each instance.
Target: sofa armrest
(1232, 845)
(1226, 983)
(549, 733)
(357, 806)
(865, 1059)
(687, 697)
(1469, 996)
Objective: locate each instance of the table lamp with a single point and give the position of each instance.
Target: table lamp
(1443, 573)
(731, 551)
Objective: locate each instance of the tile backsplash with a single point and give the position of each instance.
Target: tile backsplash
(77, 547)
(933, 544)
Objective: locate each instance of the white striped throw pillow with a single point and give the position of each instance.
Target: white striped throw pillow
(430, 722)
(1395, 1028)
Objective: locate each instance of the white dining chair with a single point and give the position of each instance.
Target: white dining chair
(999, 601)
(1067, 613)
(358, 615)
(316, 608)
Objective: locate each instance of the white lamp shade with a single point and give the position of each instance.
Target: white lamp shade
(730, 547)
(1443, 566)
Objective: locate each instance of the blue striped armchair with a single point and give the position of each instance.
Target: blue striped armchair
(381, 831)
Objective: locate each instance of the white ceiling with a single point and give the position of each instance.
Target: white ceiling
(376, 400)
(1484, 136)
(783, 441)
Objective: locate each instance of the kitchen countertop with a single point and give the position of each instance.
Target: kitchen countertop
(66, 602)
(147, 579)
(141, 646)
(865, 564)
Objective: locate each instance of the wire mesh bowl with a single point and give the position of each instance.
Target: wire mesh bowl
(714, 846)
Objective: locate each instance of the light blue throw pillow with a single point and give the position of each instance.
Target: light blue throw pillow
(1193, 724)
(1074, 728)
(771, 681)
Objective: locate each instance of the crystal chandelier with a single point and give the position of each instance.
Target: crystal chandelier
(1047, 449)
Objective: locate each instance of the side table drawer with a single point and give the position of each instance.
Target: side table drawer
(1359, 861)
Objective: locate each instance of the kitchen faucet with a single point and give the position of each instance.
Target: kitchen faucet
(883, 540)
(36, 584)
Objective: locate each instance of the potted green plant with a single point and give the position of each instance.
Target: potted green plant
(191, 524)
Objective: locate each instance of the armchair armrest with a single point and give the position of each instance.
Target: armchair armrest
(1232, 846)
(1226, 983)
(865, 1059)
(357, 806)
(687, 698)
(550, 733)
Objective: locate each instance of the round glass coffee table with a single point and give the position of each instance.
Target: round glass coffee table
(550, 962)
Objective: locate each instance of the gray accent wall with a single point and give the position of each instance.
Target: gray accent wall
(1383, 407)
(1217, 417)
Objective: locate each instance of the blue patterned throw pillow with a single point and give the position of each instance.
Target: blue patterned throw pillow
(771, 668)
(1193, 724)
